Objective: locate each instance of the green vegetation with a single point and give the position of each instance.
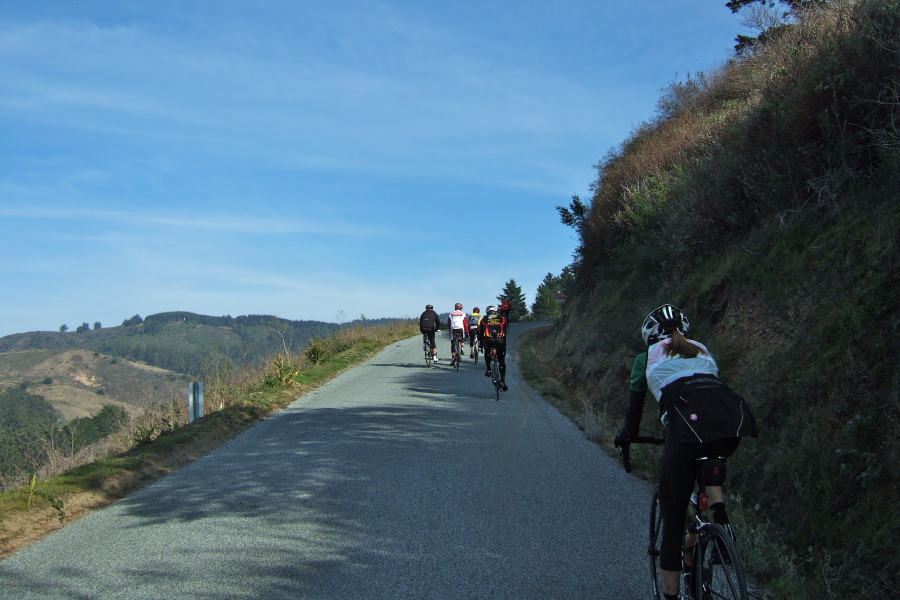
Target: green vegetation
(185, 342)
(763, 200)
(26, 421)
(32, 435)
(512, 293)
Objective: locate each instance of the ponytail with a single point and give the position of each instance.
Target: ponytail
(680, 346)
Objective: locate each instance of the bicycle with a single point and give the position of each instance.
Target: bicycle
(716, 570)
(455, 352)
(475, 349)
(429, 357)
(495, 372)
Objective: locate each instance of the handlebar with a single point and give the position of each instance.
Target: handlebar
(642, 439)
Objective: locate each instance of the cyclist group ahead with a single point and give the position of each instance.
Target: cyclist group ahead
(489, 331)
(701, 415)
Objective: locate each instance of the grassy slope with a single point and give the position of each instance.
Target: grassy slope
(778, 234)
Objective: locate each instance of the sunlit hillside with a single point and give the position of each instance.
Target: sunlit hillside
(764, 199)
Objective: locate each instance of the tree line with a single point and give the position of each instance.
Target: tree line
(31, 430)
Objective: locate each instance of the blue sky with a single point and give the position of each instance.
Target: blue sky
(308, 159)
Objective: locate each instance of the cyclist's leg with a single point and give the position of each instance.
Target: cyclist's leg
(713, 480)
(431, 342)
(676, 482)
(486, 347)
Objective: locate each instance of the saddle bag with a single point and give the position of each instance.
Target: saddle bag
(701, 408)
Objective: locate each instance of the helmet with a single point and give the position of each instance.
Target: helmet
(429, 307)
(506, 305)
(664, 317)
(491, 309)
(458, 306)
(476, 309)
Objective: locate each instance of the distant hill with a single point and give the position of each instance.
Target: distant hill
(182, 342)
(78, 383)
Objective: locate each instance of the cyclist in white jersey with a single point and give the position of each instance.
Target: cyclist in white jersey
(458, 325)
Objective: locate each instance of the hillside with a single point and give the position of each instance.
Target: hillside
(764, 200)
(79, 383)
(183, 342)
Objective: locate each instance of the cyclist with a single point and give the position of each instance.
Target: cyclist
(474, 320)
(458, 326)
(429, 322)
(505, 307)
(669, 367)
(492, 334)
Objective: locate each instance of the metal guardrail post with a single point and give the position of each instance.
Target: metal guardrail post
(195, 401)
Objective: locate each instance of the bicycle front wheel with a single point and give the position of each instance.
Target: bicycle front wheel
(495, 375)
(653, 546)
(718, 572)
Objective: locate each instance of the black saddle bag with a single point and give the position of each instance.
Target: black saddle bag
(701, 408)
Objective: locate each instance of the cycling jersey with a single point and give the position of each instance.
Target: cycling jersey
(663, 370)
(493, 326)
(457, 320)
(429, 321)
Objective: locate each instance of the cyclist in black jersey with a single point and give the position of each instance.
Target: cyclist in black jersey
(492, 334)
(429, 322)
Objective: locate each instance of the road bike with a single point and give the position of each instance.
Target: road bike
(495, 372)
(455, 351)
(716, 570)
(426, 346)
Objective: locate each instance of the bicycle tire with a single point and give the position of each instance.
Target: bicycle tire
(653, 546)
(495, 375)
(717, 570)
(429, 357)
(475, 351)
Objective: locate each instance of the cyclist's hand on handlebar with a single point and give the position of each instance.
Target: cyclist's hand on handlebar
(622, 439)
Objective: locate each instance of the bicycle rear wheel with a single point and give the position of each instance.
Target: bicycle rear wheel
(495, 375)
(428, 355)
(653, 547)
(718, 572)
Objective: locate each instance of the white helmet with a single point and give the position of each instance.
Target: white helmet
(664, 317)
(491, 309)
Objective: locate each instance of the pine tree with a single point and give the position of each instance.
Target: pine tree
(513, 293)
(545, 306)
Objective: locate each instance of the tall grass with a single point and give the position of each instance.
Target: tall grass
(764, 199)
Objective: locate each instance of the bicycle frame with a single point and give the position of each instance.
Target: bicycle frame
(716, 570)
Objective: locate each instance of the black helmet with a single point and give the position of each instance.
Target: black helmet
(429, 307)
(664, 317)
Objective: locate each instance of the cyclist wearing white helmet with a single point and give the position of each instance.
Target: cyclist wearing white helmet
(458, 325)
(674, 368)
(492, 332)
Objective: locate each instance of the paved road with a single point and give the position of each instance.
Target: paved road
(392, 481)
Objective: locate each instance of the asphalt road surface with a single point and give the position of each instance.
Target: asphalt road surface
(391, 481)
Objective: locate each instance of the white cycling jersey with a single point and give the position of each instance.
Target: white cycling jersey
(663, 370)
(457, 320)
